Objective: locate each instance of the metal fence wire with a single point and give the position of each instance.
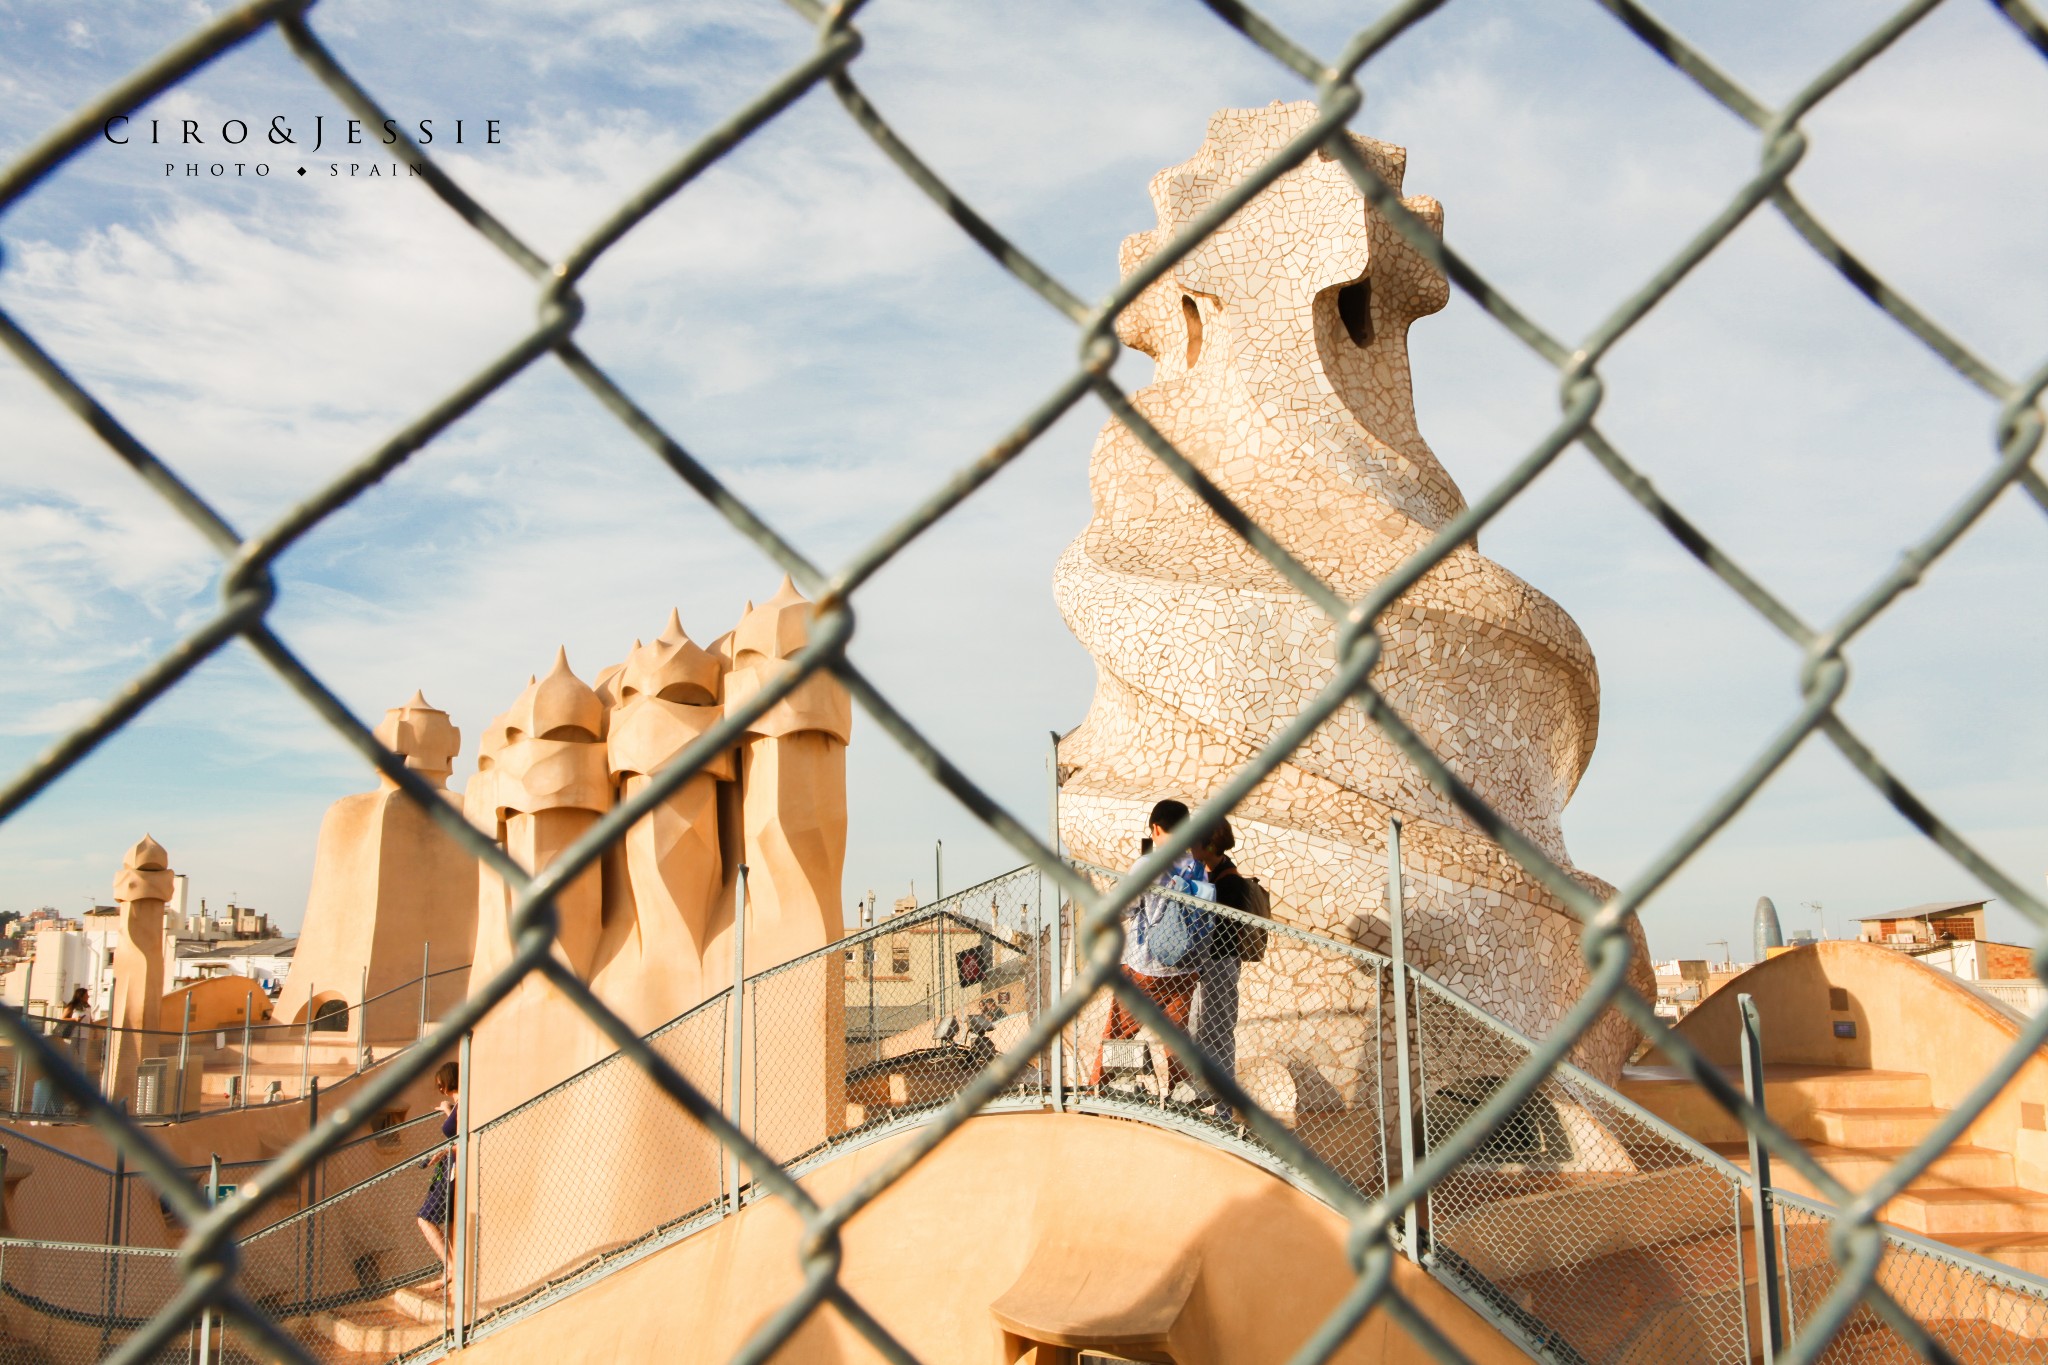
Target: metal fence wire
(1846, 1284)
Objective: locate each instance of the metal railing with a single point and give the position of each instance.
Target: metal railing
(205, 1280)
(176, 1075)
(60, 1196)
(1578, 1188)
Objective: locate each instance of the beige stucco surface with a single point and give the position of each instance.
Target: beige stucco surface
(1059, 1223)
(649, 926)
(386, 880)
(1908, 1017)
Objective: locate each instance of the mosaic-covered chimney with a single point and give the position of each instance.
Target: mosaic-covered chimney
(1282, 351)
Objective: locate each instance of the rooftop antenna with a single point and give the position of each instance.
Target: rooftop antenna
(1816, 908)
(1722, 944)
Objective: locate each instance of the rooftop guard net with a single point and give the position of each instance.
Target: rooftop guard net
(1847, 1283)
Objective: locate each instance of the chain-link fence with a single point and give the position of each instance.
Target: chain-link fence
(189, 1072)
(1514, 1107)
(1581, 1225)
(81, 1302)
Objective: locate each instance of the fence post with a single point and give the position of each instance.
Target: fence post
(1761, 1208)
(184, 1052)
(306, 1045)
(312, 1194)
(206, 1314)
(738, 1034)
(464, 1192)
(312, 1122)
(243, 1093)
(1057, 967)
(115, 1236)
(868, 962)
(362, 1019)
(1403, 1083)
(426, 957)
(119, 1233)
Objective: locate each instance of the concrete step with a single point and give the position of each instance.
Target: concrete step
(1792, 1094)
(1940, 1213)
(1827, 1087)
(421, 1307)
(2021, 1251)
(376, 1329)
(1870, 1126)
(1960, 1167)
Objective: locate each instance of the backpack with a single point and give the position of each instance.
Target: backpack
(1251, 939)
(1178, 937)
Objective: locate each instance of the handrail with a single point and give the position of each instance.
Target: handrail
(105, 1036)
(946, 907)
(102, 1026)
(8, 1134)
(1321, 940)
(608, 1059)
(2012, 1276)
(410, 985)
(1608, 1095)
(373, 1136)
(1605, 1106)
(321, 1205)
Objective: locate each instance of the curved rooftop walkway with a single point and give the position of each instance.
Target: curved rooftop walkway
(1585, 1229)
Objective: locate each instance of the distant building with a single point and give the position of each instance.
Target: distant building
(42, 917)
(1683, 983)
(267, 960)
(1919, 925)
(936, 968)
(59, 956)
(1765, 931)
(1980, 959)
(1951, 936)
(235, 922)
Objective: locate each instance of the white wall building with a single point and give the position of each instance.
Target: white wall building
(266, 960)
(60, 961)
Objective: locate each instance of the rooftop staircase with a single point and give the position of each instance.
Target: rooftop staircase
(1856, 1123)
(377, 1329)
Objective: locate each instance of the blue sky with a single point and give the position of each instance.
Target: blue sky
(808, 325)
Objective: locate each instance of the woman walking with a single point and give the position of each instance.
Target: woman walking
(1169, 980)
(77, 1010)
(439, 1205)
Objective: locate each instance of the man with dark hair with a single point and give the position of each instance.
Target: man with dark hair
(1168, 976)
(1214, 1019)
(1166, 817)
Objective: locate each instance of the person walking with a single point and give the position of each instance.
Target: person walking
(1215, 1008)
(77, 1010)
(437, 1209)
(1163, 971)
